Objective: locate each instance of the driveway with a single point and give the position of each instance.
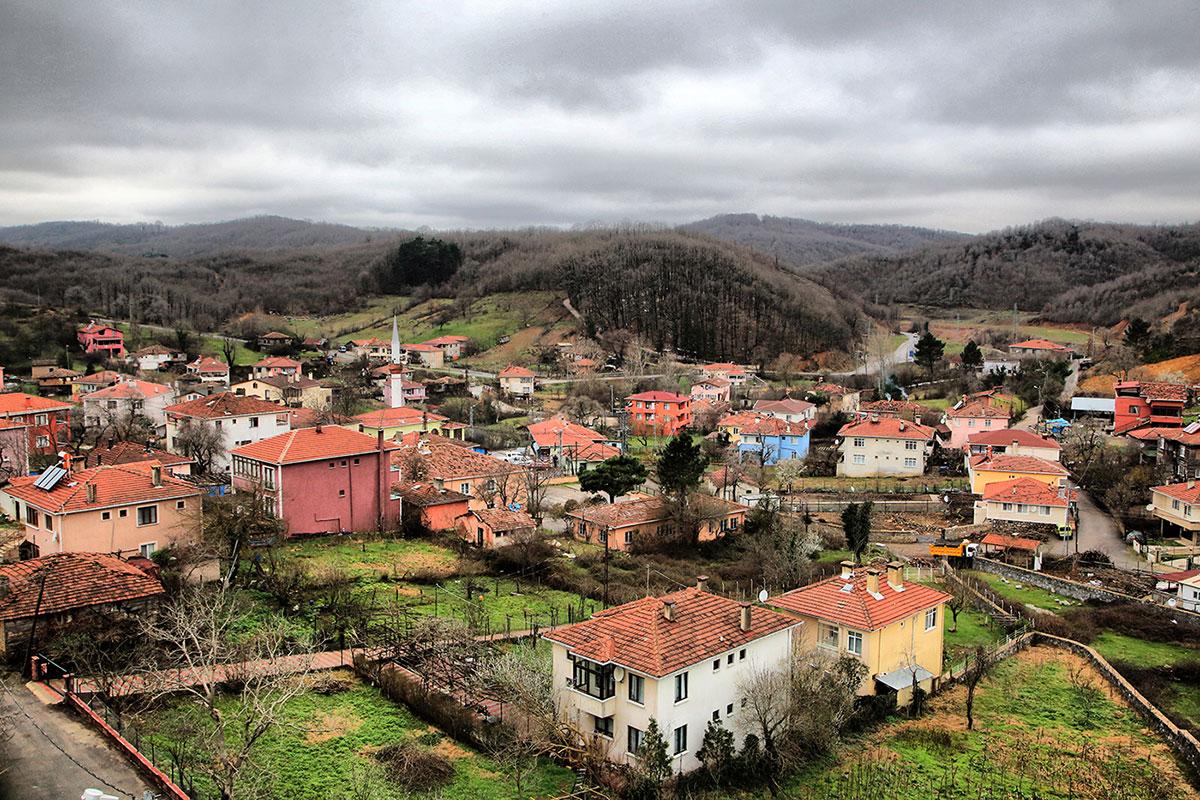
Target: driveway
(901, 355)
(52, 754)
(1097, 531)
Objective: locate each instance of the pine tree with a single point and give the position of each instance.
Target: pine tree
(655, 761)
(929, 351)
(717, 751)
(856, 522)
(972, 356)
(616, 476)
(680, 465)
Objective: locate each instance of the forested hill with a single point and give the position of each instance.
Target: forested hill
(1070, 272)
(706, 298)
(802, 242)
(184, 241)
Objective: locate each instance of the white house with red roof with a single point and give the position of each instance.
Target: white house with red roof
(1013, 442)
(734, 373)
(893, 626)
(240, 420)
(679, 659)
(788, 409)
(570, 444)
(128, 398)
(883, 446)
(1040, 348)
(427, 355)
(451, 346)
(517, 381)
(1177, 507)
(209, 370)
(1026, 500)
(273, 366)
(155, 357)
(710, 390)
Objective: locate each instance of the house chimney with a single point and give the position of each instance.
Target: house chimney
(874, 417)
(702, 583)
(847, 570)
(872, 580)
(317, 429)
(66, 461)
(1191, 484)
(3, 586)
(744, 618)
(902, 425)
(156, 474)
(668, 611)
(91, 491)
(895, 574)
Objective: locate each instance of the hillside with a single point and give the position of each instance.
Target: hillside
(185, 241)
(802, 242)
(1067, 271)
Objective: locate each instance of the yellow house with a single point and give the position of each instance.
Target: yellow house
(985, 470)
(1177, 506)
(893, 626)
(395, 422)
(295, 391)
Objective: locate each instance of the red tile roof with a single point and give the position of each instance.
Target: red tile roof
(551, 432)
(1188, 492)
(275, 335)
(271, 362)
(440, 340)
(750, 423)
(209, 364)
(130, 389)
(726, 367)
(17, 403)
(1159, 390)
(636, 635)
(887, 428)
(1010, 542)
(419, 348)
(445, 460)
(891, 407)
(855, 607)
(132, 453)
(1040, 344)
(1025, 490)
(1176, 577)
(393, 417)
(72, 581)
(833, 388)
(311, 444)
(722, 476)
(224, 404)
(664, 397)
(1005, 438)
(643, 509)
(978, 409)
(117, 485)
(1003, 462)
(718, 383)
(154, 350)
(501, 519)
(513, 371)
(788, 405)
(426, 494)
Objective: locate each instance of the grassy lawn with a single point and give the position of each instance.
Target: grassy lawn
(326, 740)
(973, 629)
(1037, 734)
(396, 558)
(1025, 594)
(1118, 647)
(937, 403)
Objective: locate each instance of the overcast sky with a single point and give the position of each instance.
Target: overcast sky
(972, 116)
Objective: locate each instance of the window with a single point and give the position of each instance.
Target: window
(123, 513)
(41, 419)
(341, 492)
(681, 739)
(742, 654)
(970, 423)
(931, 619)
(729, 659)
(593, 679)
(49, 522)
(181, 504)
(147, 515)
(268, 474)
(681, 687)
(357, 461)
(637, 688)
(43, 441)
(716, 664)
(1006, 506)
(254, 422)
(716, 715)
(491, 484)
(31, 516)
(628, 537)
(828, 635)
(860, 459)
(147, 549)
(604, 726)
(1175, 505)
(910, 462)
(860, 442)
(854, 642)
(910, 445)
(332, 464)
(635, 740)
(729, 710)
(1046, 511)
(105, 515)
(464, 488)
(1187, 511)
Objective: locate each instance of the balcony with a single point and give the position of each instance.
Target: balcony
(590, 704)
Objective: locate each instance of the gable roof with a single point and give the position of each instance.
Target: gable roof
(848, 602)
(224, 404)
(419, 348)
(311, 444)
(665, 397)
(513, 371)
(275, 335)
(276, 361)
(788, 405)
(154, 350)
(445, 460)
(550, 432)
(1005, 438)
(116, 485)
(502, 519)
(72, 580)
(1010, 542)
(130, 389)
(1025, 490)
(978, 409)
(209, 364)
(716, 383)
(1003, 462)
(1158, 390)
(833, 388)
(636, 635)
(104, 376)
(425, 494)
(17, 403)
(887, 428)
(1040, 344)
(644, 508)
(726, 367)
(1188, 491)
(132, 453)
(441, 340)
(757, 424)
(393, 417)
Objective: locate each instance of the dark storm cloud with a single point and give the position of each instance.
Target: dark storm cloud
(968, 114)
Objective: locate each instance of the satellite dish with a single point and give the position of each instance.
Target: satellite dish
(762, 595)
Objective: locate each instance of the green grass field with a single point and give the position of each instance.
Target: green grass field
(973, 629)
(1025, 594)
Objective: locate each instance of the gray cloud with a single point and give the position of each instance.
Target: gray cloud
(971, 115)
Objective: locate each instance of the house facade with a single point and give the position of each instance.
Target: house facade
(1040, 348)
(394, 423)
(427, 355)
(155, 357)
(1177, 507)
(789, 409)
(710, 390)
(569, 445)
(1026, 500)
(678, 659)
(618, 525)
(46, 421)
(105, 340)
(435, 509)
(240, 420)
(517, 381)
(129, 398)
(658, 413)
(209, 370)
(883, 446)
(842, 399)
(451, 346)
(276, 366)
(1013, 442)
(297, 392)
(1148, 403)
(733, 373)
(764, 439)
(986, 470)
(967, 418)
(487, 482)
(494, 527)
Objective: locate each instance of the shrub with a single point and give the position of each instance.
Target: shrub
(436, 708)
(415, 768)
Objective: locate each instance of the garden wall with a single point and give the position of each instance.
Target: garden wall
(1072, 589)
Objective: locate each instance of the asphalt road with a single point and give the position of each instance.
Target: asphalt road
(898, 356)
(1097, 531)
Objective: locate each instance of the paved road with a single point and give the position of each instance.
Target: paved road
(36, 766)
(1098, 531)
(899, 356)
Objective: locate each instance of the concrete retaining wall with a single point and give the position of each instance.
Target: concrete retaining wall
(126, 747)
(1051, 583)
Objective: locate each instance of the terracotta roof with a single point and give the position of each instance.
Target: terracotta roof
(426, 494)
(887, 428)
(154, 350)
(1159, 390)
(1188, 492)
(95, 327)
(891, 407)
(763, 425)
(550, 432)
(276, 361)
(131, 453)
(130, 389)
(855, 607)
(445, 460)
(275, 335)
(513, 371)
(303, 417)
(1003, 462)
(440, 340)
(118, 485)
(643, 509)
(59, 372)
(20, 403)
(718, 383)
(1176, 577)
(501, 519)
(420, 348)
(106, 376)
(1025, 490)
(665, 397)
(721, 477)
(224, 404)
(727, 367)
(393, 417)
(1005, 438)
(372, 342)
(788, 405)
(637, 636)
(209, 364)
(833, 388)
(1040, 344)
(978, 409)
(1010, 542)
(72, 580)
(311, 444)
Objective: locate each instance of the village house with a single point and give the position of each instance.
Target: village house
(985, 470)
(1177, 508)
(105, 340)
(314, 343)
(46, 420)
(273, 339)
(1026, 500)
(658, 413)
(569, 445)
(1187, 588)
(489, 528)
(451, 346)
(893, 626)
(372, 349)
(733, 373)
(883, 446)
(427, 355)
(895, 409)
(969, 417)
(710, 390)
(736, 485)
(115, 453)
(1013, 442)
(1148, 403)
(128, 509)
(1176, 451)
(841, 399)
(680, 659)
(56, 380)
(241, 421)
(86, 384)
(59, 587)
(618, 524)
(487, 481)
(764, 439)
(434, 509)
(1040, 348)
(399, 390)
(276, 366)
(394, 423)
(517, 381)
(130, 398)
(14, 449)
(288, 391)
(789, 409)
(155, 357)
(209, 370)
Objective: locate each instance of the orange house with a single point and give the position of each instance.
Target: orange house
(494, 527)
(618, 525)
(436, 509)
(659, 413)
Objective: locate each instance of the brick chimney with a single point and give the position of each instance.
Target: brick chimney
(668, 611)
(91, 491)
(744, 617)
(702, 583)
(895, 574)
(873, 580)
(847, 570)
(156, 474)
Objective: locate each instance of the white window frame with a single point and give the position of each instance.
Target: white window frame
(681, 687)
(930, 619)
(146, 549)
(851, 637)
(152, 507)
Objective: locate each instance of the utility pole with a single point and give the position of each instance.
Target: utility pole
(607, 534)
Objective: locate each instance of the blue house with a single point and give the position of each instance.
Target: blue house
(764, 439)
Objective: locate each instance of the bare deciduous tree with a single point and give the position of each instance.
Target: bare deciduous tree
(200, 441)
(979, 665)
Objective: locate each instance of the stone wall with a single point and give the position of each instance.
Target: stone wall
(1051, 583)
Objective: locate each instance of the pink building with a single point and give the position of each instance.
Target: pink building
(975, 416)
(711, 390)
(273, 366)
(322, 480)
(103, 339)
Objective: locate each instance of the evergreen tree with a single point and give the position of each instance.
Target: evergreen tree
(929, 351)
(717, 751)
(616, 476)
(655, 763)
(972, 356)
(680, 465)
(418, 262)
(856, 522)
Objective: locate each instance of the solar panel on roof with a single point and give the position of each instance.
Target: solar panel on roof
(1192, 427)
(50, 478)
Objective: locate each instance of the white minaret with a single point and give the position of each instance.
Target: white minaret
(395, 341)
